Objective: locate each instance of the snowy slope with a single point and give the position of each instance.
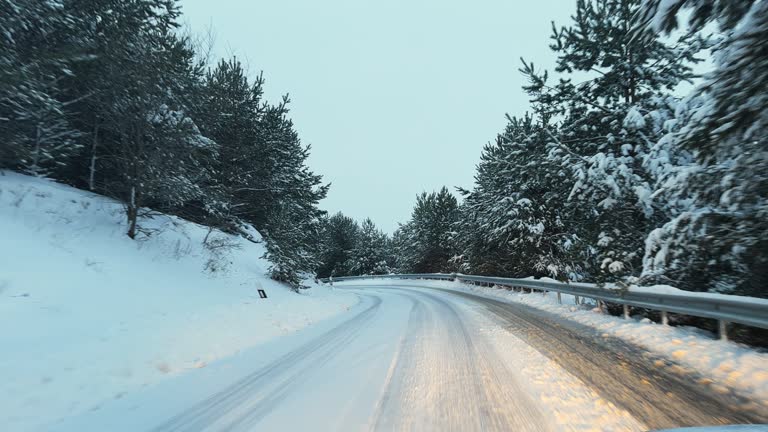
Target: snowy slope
(88, 315)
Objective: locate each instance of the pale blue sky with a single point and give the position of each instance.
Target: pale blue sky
(396, 97)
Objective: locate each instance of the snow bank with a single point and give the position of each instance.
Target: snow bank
(724, 364)
(569, 403)
(87, 314)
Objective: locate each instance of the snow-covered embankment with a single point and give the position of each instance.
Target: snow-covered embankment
(87, 314)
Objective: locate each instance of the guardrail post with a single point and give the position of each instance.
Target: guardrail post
(664, 318)
(559, 299)
(722, 330)
(626, 311)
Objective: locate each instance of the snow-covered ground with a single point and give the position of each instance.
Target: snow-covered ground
(100, 332)
(88, 315)
(726, 364)
(399, 360)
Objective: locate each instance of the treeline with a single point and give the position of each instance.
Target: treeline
(425, 244)
(348, 248)
(611, 177)
(110, 96)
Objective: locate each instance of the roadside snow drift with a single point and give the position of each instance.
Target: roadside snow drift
(88, 315)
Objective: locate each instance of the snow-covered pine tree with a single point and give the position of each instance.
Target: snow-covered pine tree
(370, 254)
(512, 222)
(720, 242)
(113, 33)
(230, 111)
(292, 193)
(109, 95)
(102, 70)
(176, 166)
(147, 158)
(338, 240)
(261, 170)
(403, 250)
(607, 124)
(37, 51)
(425, 243)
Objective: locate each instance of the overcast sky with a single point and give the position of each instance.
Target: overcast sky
(395, 96)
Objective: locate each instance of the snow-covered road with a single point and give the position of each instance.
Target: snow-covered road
(418, 359)
(444, 377)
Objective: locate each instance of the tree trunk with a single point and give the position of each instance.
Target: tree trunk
(133, 214)
(92, 169)
(36, 155)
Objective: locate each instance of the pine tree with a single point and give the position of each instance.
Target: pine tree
(339, 239)
(292, 193)
(108, 95)
(608, 125)
(261, 170)
(123, 40)
(153, 167)
(37, 51)
(720, 241)
(513, 221)
(229, 109)
(370, 253)
(425, 244)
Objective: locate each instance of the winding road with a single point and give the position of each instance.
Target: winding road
(410, 358)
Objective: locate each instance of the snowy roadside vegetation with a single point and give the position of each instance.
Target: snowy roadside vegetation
(112, 97)
(88, 315)
(162, 191)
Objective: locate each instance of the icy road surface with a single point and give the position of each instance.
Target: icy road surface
(419, 359)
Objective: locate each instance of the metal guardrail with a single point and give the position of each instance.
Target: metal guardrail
(724, 309)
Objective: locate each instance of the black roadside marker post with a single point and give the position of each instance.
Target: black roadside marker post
(262, 293)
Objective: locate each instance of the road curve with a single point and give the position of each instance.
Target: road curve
(439, 378)
(655, 390)
(421, 359)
